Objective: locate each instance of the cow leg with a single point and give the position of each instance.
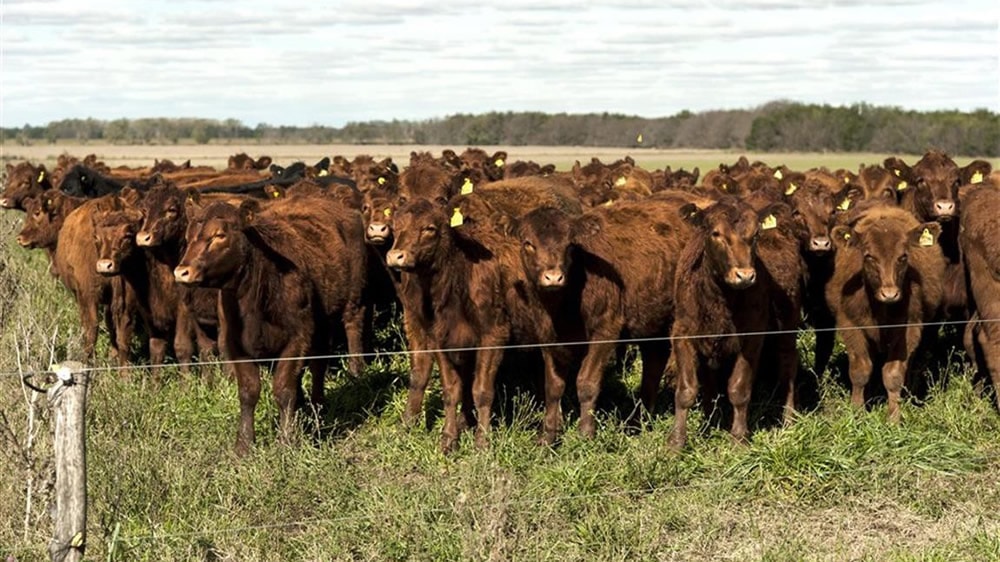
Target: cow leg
(421, 365)
(286, 384)
(184, 339)
(859, 364)
(317, 368)
(788, 368)
(484, 386)
(740, 386)
(589, 379)
(825, 338)
(157, 355)
(451, 392)
(88, 321)
(354, 325)
(555, 386)
(989, 341)
(654, 362)
(248, 382)
(685, 393)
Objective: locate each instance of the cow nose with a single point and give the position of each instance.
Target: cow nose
(889, 294)
(106, 266)
(395, 258)
(553, 278)
(5, 203)
(182, 274)
(820, 244)
(144, 239)
(22, 241)
(944, 208)
(744, 276)
(378, 230)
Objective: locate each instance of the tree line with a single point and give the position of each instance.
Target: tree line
(776, 126)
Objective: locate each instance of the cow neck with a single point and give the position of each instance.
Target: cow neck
(948, 241)
(447, 278)
(257, 278)
(168, 253)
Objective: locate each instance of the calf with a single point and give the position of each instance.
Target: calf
(281, 293)
(151, 280)
(887, 282)
(721, 296)
(81, 181)
(979, 234)
(452, 293)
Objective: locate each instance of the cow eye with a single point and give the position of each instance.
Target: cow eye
(529, 247)
(219, 236)
(869, 258)
(364, 208)
(903, 258)
(430, 229)
(716, 234)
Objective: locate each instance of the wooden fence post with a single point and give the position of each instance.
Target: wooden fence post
(68, 401)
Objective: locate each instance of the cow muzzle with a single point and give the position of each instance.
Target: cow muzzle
(6, 203)
(888, 295)
(552, 279)
(144, 239)
(741, 277)
(399, 259)
(377, 233)
(820, 244)
(107, 267)
(944, 209)
(185, 274)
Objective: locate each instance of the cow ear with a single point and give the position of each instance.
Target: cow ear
(925, 234)
(499, 158)
(695, 172)
(585, 226)
(129, 196)
(975, 172)
(52, 200)
(192, 197)
(505, 223)
(843, 236)
(898, 168)
(692, 214)
(249, 209)
(272, 191)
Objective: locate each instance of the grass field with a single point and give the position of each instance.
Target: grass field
(837, 484)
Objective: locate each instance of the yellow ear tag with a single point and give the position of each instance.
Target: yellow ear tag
(387, 212)
(976, 177)
(902, 185)
(41, 176)
(769, 222)
(456, 218)
(847, 236)
(620, 181)
(926, 238)
(381, 180)
(609, 202)
(48, 202)
(845, 204)
(466, 187)
(498, 162)
(791, 189)
(777, 174)
(324, 173)
(847, 179)
(725, 187)
(896, 172)
(275, 194)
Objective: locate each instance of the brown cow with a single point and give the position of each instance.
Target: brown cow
(979, 234)
(595, 278)
(887, 282)
(244, 162)
(721, 294)
(23, 181)
(452, 293)
(281, 293)
(151, 280)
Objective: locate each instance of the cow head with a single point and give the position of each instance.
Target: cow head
(377, 208)
(812, 208)
(42, 221)
(933, 183)
(163, 216)
(729, 231)
(114, 233)
(217, 244)
(422, 235)
(547, 236)
(23, 181)
(885, 248)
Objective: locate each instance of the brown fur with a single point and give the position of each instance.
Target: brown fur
(980, 232)
(23, 181)
(722, 292)
(874, 285)
(281, 292)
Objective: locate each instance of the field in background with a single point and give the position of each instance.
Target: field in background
(838, 484)
(562, 156)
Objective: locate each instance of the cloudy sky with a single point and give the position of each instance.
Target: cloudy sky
(301, 62)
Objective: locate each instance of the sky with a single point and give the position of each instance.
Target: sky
(305, 62)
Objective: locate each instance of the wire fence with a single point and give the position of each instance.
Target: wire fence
(506, 347)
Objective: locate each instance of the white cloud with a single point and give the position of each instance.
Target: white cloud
(296, 62)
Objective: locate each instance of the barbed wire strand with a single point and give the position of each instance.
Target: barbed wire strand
(646, 490)
(392, 353)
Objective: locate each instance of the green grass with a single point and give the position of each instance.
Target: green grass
(164, 484)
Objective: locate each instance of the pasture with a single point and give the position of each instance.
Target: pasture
(164, 484)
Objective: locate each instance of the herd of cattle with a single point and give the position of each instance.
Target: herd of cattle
(258, 262)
